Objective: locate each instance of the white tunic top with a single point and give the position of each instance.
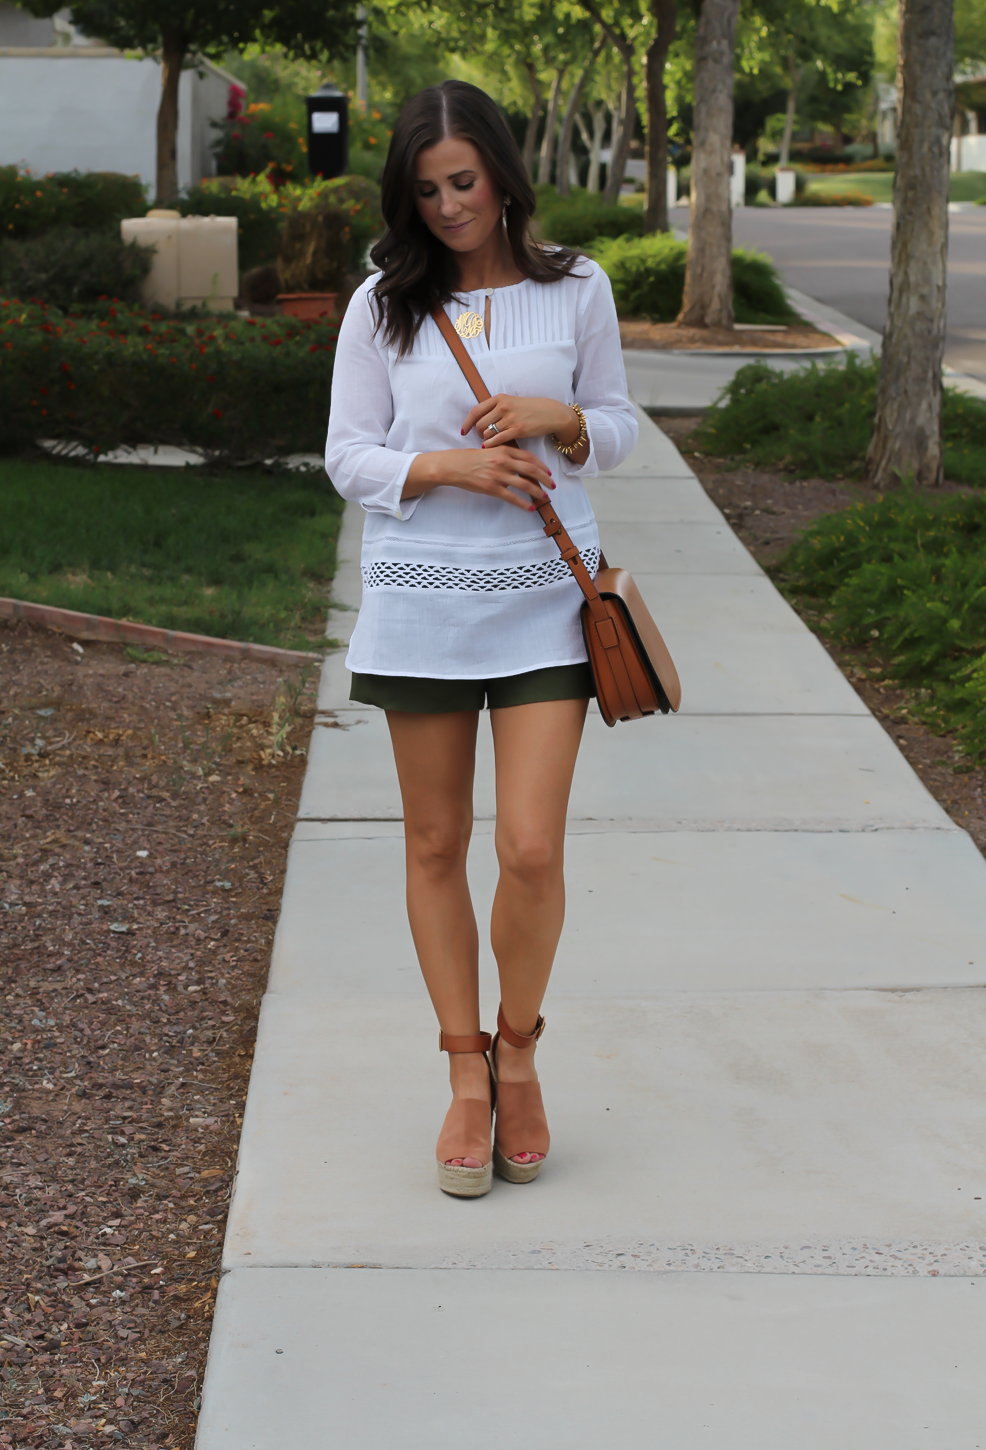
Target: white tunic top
(457, 585)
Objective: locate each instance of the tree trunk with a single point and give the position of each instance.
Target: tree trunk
(594, 143)
(628, 119)
(656, 208)
(173, 52)
(708, 299)
(568, 124)
(532, 125)
(792, 97)
(614, 138)
(550, 126)
(906, 438)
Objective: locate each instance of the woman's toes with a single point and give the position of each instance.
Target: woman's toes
(463, 1163)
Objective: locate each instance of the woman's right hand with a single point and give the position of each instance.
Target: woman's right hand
(510, 474)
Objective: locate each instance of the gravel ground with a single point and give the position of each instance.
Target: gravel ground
(769, 509)
(145, 810)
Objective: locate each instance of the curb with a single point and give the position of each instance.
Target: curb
(123, 631)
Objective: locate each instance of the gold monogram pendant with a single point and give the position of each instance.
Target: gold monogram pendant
(470, 324)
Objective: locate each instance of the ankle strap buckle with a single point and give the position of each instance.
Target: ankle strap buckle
(517, 1039)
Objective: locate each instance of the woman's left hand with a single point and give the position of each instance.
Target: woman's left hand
(521, 418)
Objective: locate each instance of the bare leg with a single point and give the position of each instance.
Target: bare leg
(435, 757)
(536, 748)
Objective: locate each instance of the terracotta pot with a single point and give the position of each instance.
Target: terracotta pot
(308, 304)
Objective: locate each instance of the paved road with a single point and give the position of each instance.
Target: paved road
(841, 257)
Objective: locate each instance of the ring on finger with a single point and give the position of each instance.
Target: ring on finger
(492, 428)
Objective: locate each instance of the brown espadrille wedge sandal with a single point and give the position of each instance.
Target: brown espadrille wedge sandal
(521, 1126)
(467, 1129)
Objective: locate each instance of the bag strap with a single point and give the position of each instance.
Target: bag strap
(553, 525)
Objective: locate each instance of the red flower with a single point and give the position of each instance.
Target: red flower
(216, 413)
(268, 135)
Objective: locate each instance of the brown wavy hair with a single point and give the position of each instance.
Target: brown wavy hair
(418, 271)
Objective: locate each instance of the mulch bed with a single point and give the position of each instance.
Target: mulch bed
(637, 332)
(144, 817)
(768, 510)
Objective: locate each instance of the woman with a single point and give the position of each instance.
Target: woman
(465, 601)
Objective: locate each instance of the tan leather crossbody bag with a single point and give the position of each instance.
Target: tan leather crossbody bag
(633, 672)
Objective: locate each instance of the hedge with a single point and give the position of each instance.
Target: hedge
(648, 277)
(89, 200)
(577, 220)
(70, 268)
(241, 390)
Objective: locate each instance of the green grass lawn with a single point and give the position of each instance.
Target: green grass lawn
(963, 185)
(242, 555)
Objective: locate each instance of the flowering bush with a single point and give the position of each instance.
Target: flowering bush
(260, 139)
(90, 200)
(242, 390)
(369, 138)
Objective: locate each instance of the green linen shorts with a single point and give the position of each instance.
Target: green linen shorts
(440, 697)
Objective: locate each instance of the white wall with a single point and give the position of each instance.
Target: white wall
(968, 153)
(64, 111)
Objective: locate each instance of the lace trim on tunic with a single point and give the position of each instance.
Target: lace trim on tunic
(387, 575)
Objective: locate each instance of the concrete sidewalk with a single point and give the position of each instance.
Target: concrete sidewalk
(675, 382)
(761, 1224)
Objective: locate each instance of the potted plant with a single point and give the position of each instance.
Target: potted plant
(313, 261)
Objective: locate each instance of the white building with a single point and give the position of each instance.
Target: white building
(69, 103)
(968, 145)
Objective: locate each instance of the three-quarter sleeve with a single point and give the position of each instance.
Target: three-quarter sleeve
(357, 459)
(600, 382)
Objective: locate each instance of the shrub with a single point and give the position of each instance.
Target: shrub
(907, 571)
(764, 178)
(577, 220)
(238, 389)
(89, 200)
(68, 268)
(648, 277)
(817, 421)
(832, 198)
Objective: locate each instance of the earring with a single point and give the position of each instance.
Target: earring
(503, 215)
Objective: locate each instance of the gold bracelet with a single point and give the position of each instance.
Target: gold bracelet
(568, 450)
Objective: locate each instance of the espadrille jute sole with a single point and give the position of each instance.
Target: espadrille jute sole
(516, 1172)
(465, 1182)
